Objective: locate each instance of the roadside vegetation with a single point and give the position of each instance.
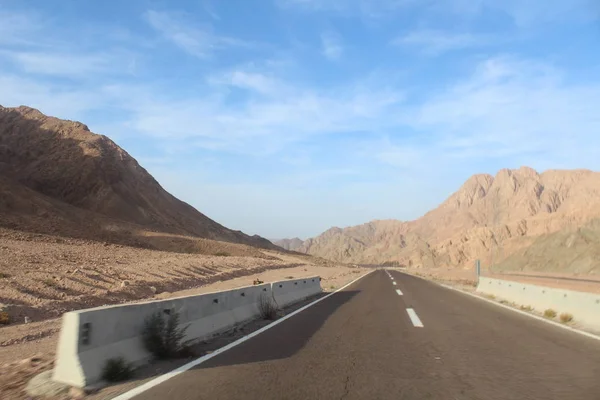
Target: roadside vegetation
(163, 337)
(117, 370)
(267, 308)
(566, 318)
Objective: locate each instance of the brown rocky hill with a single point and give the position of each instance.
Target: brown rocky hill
(57, 177)
(289, 244)
(489, 218)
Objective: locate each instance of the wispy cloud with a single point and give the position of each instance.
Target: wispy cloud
(509, 109)
(196, 39)
(332, 46)
(368, 8)
(264, 125)
(433, 42)
(522, 13)
(248, 79)
(16, 28)
(72, 65)
(57, 100)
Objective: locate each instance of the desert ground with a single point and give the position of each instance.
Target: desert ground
(45, 276)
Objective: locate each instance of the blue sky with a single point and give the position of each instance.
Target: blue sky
(286, 117)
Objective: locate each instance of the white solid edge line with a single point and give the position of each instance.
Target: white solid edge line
(574, 330)
(414, 318)
(163, 378)
(399, 292)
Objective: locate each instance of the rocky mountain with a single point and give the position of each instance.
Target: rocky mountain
(488, 218)
(58, 177)
(289, 244)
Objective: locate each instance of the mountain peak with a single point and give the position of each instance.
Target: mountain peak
(63, 161)
(476, 187)
(508, 211)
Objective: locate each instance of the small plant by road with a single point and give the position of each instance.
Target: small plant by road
(222, 254)
(526, 308)
(267, 308)
(50, 282)
(116, 370)
(163, 337)
(550, 313)
(4, 318)
(566, 318)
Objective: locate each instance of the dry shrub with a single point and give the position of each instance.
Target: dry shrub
(566, 317)
(267, 308)
(550, 313)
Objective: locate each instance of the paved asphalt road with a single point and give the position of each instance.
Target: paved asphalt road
(361, 343)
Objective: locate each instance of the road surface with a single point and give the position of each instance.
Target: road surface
(362, 343)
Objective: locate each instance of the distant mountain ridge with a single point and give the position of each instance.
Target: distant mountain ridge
(289, 244)
(488, 218)
(58, 177)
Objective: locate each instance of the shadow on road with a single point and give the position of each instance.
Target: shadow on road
(285, 339)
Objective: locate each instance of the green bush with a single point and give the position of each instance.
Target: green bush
(222, 254)
(4, 275)
(549, 313)
(163, 337)
(116, 370)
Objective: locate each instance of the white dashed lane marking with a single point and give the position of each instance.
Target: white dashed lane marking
(399, 292)
(414, 318)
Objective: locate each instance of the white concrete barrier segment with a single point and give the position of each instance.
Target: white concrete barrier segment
(291, 291)
(89, 337)
(585, 307)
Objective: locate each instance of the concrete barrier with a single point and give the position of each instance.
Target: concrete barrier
(585, 307)
(291, 291)
(90, 337)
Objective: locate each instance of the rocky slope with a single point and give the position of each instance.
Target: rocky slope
(57, 177)
(289, 244)
(489, 218)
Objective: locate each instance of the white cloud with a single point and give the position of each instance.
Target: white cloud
(62, 102)
(511, 110)
(197, 40)
(522, 12)
(332, 46)
(264, 125)
(369, 8)
(401, 156)
(69, 64)
(250, 80)
(433, 42)
(527, 13)
(16, 28)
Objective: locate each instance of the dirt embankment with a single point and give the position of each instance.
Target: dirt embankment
(94, 274)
